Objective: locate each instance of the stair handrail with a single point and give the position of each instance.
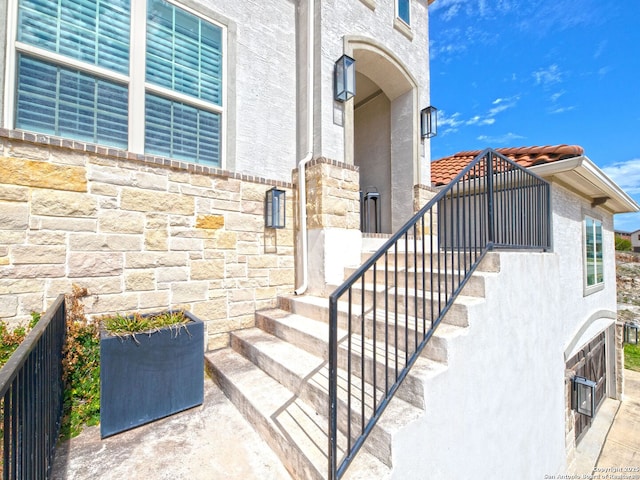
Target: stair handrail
(492, 203)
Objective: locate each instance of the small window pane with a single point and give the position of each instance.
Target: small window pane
(594, 261)
(184, 52)
(404, 11)
(92, 31)
(64, 102)
(174, 129)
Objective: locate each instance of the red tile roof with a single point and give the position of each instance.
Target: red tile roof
(445, 169)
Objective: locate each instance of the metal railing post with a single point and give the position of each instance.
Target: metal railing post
(490, 200)
(333, 389)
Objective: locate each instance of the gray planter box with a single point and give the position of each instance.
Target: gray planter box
(151, 376)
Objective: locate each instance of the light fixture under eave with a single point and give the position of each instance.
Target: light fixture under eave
(344, 78)
(429, 122)
(584, 396)
(275, 208)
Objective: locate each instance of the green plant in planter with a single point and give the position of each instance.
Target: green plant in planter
(121, 325)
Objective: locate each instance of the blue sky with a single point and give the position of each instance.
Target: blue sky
(511, 73)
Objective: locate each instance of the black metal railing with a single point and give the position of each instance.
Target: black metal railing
(31, 389)
(382, 317)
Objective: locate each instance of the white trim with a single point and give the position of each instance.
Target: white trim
(408, 24)
(137, 64)
(10, 67)
(591, 328)
(596, 287)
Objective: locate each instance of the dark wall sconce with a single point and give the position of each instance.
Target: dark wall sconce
(429, 122)
(275, 208)
(584, 396)
(631, 333)
(344, 78)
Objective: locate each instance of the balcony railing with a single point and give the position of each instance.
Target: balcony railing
(383, 316)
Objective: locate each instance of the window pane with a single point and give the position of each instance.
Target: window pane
(174, 129)
(599, 261)
(404, 11)
(64, 102)
(184, 52)
(93, 31)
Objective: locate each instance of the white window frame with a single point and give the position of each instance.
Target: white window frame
(135, 80)
(596, 287)
(397, 2)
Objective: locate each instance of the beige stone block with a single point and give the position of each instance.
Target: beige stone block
(213, 222)
(11, 193)
(245, 223)
(33, 271)
(46, 237)
(8, 306)
(214, 309)
(140, 280)
(30, 173)
(281, 277)
(262, 261)
(235, 270)
(152, 201)
(252, 282)
(64, 224)
(223, 240)
(111, 243)
(207, 269)
(38, 254)
(95, 264)
(156, 300)
(95, 285)
(172, 274)
(12, 237)
(226, 185)
(123, 303)
(200, 180)
(156, 240)
(27, 150)
(186, 292)
(185, 244)
(249, 249)
(154, 221)
(217, 341)
(63, 204)
(31, 302)
(241, 295)
(266, 293)
(155, 259)
(16, 286)
(255, 192)
(226, 324)
(14, 216)
(103, 189)
(116, 221)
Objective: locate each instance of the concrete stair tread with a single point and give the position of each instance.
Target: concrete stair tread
(298, 430)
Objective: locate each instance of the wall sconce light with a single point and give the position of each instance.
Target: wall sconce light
(584, 396)
(631, 333)
(344, 78)
(275, 208)
(429, 122)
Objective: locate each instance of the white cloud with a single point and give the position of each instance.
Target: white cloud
(626, 174)
(503, 104)
(478, 120)
(562, 110)
(500, 139)
(548, 76)
(557, 95)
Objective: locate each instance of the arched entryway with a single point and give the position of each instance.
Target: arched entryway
(382, 130)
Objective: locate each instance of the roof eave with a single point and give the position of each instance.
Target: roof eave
(578, 172)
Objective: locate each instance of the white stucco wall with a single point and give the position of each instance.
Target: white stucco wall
(340, 18)
(498, 411)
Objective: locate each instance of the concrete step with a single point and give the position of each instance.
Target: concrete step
(312, 336)
(475, 286)
(436, 261)
(306, 375)
(318, 308)
(293, 429)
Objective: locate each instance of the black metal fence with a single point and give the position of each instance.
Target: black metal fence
(31, 389)
(382, 317)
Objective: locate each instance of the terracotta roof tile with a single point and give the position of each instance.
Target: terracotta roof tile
(445, 169)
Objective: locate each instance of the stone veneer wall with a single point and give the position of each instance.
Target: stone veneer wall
(333, 199)
(141, 233)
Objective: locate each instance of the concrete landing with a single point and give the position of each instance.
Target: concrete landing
(212, 441)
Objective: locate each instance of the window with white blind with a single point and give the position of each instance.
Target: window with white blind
(593, 255)
(142, 75)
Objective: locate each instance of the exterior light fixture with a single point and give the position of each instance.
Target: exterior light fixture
(631, 333)
(429, 122)
(344, 78)
(274, 208)
(584, 396)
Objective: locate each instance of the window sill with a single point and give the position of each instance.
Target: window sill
(370, 3)
(403, 28)
(593, 289)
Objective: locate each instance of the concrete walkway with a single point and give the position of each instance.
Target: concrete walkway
(212, 441)
(621, 451)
